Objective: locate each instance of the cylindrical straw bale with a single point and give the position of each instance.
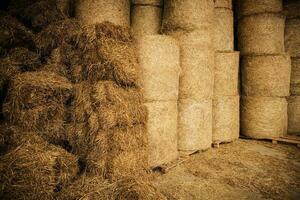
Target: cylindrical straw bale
(226, 74)
(187, 15)
(223, 4)
(145, 20)
(92, 12)
(226, 118)
(162, 132)
(292, 37)
(295, 77)
(250, 7)
(291, 8)
(224, 36)
(148, 2)
(266, 75)
(261, 34)
(159, 61)
(194, 125)
(263, 117)
(294, 114)
(197, 75)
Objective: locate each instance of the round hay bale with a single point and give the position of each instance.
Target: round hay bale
(266, 75)
(148, 2)
(292, 37)
(263, 117)
(162, 137)
(226, 118)
(35, 169)
(159, 61)
(250, 7)
(294, 114)
(197, 75)
(187, 15)
(226, 78)
(291, 8)
(261, 34)
(145, 20)
(223, 4)
(194, 125)
(92, 12)
(224, 36)
(295, 77)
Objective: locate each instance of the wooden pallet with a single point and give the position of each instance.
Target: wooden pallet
(283, 139)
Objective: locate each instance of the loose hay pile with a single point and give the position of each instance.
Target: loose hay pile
(73, 108)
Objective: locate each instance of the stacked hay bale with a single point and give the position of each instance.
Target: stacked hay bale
(292, 45)
(265, 69)
(91, 11)
(146, 17)
(226, 91)
(191, 23)
(159, 60)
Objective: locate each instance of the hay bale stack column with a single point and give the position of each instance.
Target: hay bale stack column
(265, 69)
(226, 91)
(292, 45)
(146, 17)
(159, 60)
(191, 23)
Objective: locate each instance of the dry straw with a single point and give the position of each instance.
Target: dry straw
(261, 34)
(291, 8)
(250, 7)
(263, 117)
(91, 187)
(187, 15)
(292, 37)
(295, 77)
(116, 54)
(13, 33)
(223, 4)
(197, 75)
(226, 118)
(194, 125)
(162, 137)
(294, 114)
(148, 2)
(226, 74)
(145, 20)
(42, 13)
(160, 65)
(223, 37)
(118, 152)
(92, 12)
(266, 75)
(34, 170)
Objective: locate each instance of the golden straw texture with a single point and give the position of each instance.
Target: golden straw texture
(226, 74)
(250, 7)
(194, 125)
(261, 34)
(223, 4)
(159, 61)
(263, 117)
(162, 132)
(294, 114)
(266, 75)
(148, 2)
(92, 12)
(292, 37)
(226, 118)
(295, 77)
